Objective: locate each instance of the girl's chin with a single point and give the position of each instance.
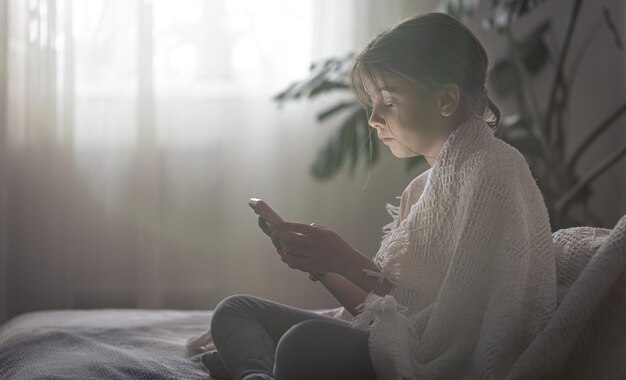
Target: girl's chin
(403, 154)
(399, 155)
(399, 151)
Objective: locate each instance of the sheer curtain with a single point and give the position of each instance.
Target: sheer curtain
(134, 132)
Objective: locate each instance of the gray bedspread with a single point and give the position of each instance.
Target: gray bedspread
(101, 344)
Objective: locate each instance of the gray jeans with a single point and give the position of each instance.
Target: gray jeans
(257, 335)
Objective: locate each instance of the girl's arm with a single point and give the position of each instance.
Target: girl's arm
(349, 284)
(356, 262)
(352, 286)
(353, 267)
(353, 271)
(345, 291)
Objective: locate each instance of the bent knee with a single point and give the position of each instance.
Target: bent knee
(303, 340)
(303, 331)
(226, 306)
(319, 349)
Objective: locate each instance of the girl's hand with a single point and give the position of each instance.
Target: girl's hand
(266, 229)
(312, 248)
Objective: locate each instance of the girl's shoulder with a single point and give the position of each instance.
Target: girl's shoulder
(496, 159)
(418, 183)
(500, 170)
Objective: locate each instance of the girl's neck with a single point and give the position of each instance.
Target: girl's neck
(447, 129)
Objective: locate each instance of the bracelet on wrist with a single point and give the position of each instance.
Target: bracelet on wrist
(316, 276)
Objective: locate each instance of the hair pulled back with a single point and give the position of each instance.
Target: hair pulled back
(430, 50)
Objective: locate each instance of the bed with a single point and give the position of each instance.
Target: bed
(585, 337)
(102, 344)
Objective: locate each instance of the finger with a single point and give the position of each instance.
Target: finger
(264, 227)
(292, 237)
(296, 262)
(283, 252)
(296, 249)
(277, 244)
(283, 256)
(306, 229)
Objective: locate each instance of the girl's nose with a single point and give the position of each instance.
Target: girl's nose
(375, 120)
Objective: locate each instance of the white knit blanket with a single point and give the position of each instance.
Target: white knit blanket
(483, 289)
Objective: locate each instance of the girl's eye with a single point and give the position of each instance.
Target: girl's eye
(391, 105)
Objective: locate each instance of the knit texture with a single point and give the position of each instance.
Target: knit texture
(476, 271)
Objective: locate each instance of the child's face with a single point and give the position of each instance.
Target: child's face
(412, 119)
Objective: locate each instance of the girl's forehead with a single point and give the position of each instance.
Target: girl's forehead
(386, 82)
(383, 82)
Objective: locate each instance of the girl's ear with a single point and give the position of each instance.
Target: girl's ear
(449, 98)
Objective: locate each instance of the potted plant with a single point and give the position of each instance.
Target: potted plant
(536, 130)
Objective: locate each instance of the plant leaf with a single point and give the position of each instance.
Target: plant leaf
(504, 12)
(334, 109)
(612, 28)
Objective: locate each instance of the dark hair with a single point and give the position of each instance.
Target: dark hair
(430, 50)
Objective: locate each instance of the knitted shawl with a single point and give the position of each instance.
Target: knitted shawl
(483, 290)
(478, 276)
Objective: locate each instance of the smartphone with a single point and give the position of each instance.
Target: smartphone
(264, 210)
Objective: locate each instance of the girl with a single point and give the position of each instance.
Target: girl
(466, 274)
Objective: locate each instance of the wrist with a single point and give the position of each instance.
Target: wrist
(348, 263)
(316, 276)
